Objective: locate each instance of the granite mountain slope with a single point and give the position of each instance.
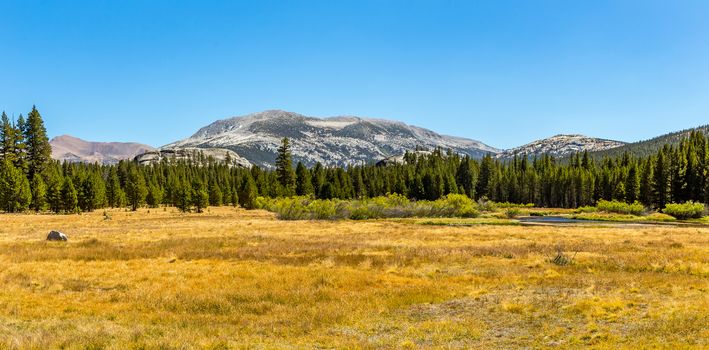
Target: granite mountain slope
(334, 141)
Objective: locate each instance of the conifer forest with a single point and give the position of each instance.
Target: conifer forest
(31, 181)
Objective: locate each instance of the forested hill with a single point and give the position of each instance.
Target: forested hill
(31, 180)
(651, 146)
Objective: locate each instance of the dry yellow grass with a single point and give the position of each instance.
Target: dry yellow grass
(230, 278)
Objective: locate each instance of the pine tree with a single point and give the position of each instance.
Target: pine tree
(677, 170)
(136, 189)
(284, 168)
(303, 184)
(15, 192)
(483, 187)
(215, 194)
(54, 191)
(7, 139)
(646, 178)
(114, 193)
(37, 143)
(632, 184)
(20, 147)
(183, 196)
(155, 196)
(466, 177)
(234, 197)
(91, 193)
(248, 193)
(318, 178)
(661, 180)
(200, 196)
(39, 193)
(69, 198)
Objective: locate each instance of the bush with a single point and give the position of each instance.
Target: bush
(322, 209)
(486, 205)
(513, 205)
(512, 213)
(586, 209)
(683, 211)
(390, 206)
(614, 206)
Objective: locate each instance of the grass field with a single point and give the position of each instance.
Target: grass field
(231, 278)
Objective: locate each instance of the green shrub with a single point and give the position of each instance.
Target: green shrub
(290, 209)
(467, 212)
(506, 205)
(486, 205)
(512, 213)
(586, 209)
(322, 209)
(390, 206)
(683, 211)
(614, 206)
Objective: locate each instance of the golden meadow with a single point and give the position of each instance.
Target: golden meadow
(230, 278)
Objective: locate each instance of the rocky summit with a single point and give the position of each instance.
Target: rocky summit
(560, 146)
(334, 141)
(192, 154)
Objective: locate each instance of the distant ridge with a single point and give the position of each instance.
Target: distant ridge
(651, 146)
(73, 149)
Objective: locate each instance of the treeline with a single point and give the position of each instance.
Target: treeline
(30, 180)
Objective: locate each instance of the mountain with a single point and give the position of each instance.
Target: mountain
(72, 149)
(651, 146)
(561, 145)
(331, 141)
(219, 155)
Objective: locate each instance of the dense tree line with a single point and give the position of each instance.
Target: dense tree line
(30, 180)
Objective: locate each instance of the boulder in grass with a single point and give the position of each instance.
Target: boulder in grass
(56, 236)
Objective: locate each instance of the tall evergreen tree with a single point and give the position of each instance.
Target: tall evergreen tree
(661, 180)
(632, 184)
(114, 193)
(483, 187)
(284, 168)
(248, 193)
(92, 192)
(646, 178)
(20, 147)
(303, 183)
(37, 144)
(200, 196)
(15, 192)
(70, 201)
(7, 139)
(39, 193)
(155, 196)
(136, 190)
(183, 196)
(215, 194)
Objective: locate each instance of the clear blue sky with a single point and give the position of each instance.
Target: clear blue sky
(503, 72)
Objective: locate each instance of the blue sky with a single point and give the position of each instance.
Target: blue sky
(503, 72)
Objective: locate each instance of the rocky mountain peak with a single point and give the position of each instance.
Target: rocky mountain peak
(561, 145)
(338, 140)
